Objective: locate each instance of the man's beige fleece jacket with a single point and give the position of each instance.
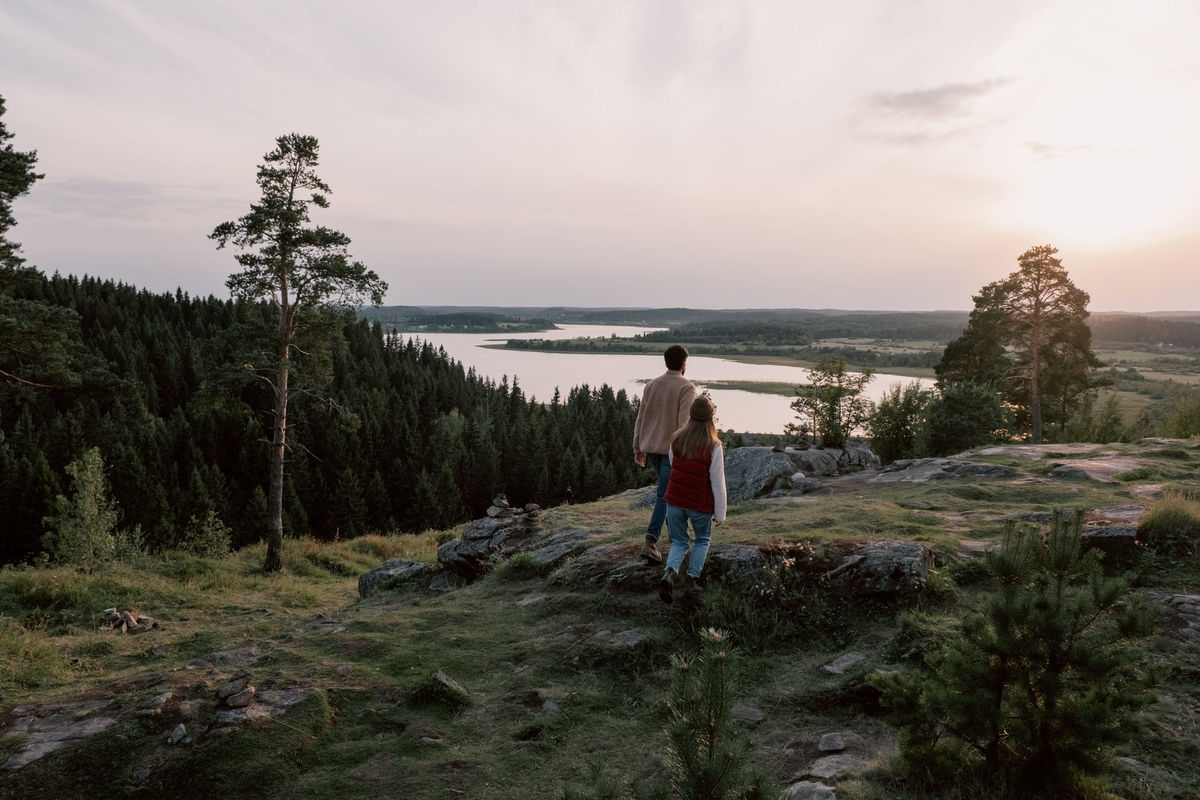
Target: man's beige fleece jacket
(666, 403)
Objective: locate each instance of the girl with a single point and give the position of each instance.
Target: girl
(695, 492)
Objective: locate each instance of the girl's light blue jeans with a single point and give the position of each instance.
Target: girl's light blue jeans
(677, 527)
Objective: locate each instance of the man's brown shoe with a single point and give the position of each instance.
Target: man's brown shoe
(650, 551)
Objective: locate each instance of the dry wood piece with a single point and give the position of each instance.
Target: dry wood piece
(126, 621)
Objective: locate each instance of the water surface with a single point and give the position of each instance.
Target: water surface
(538, 372)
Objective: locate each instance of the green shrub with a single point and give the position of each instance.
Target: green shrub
(1172, 524)
(208, 537)
(518, 567)
(894, 424)
(1037, 683)
(27, 660)
(1184, 420)
(965, 415)
(82, 527)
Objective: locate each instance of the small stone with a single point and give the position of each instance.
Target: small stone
(177, 735)
(550, 707)
(747, 716)
(344, 669)
(808, 790)
(630, 639)
(832, 743)
(835, 766)
(839, 665)
(241, 699)
(233, 687)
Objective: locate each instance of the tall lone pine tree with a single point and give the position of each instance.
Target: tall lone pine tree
(1027, 337)
(297, 266)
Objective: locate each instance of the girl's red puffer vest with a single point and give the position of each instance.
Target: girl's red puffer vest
(689, 486)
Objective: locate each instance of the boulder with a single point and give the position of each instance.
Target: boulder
(1114, 540)
(882, 568)
(832, 743)
(844, 662)
(742, 563)
(834, 461)
(560, 545)
(387, 575)
(752, 471)
(484, 542)
(802, 483)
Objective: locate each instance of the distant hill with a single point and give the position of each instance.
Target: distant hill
(1176, 328)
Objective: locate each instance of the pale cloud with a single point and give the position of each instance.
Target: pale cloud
(937, 103)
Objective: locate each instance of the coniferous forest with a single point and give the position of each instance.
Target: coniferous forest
(387, 434)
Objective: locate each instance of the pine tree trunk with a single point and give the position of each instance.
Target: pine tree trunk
(1035, 383)
(274, 560)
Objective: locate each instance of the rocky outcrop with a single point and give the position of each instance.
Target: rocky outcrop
(48, 728)
(752, 472)
(923, 470)
(1186, 611)
(882, 568)
(387, 575)
(485, 542)
(834, 461)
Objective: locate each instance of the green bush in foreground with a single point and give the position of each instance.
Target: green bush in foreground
(1038, 682)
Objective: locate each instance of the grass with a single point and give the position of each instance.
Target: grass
(522, 635)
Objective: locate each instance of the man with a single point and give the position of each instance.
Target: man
(664, 410)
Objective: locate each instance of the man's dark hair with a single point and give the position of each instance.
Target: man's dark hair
(675, 356)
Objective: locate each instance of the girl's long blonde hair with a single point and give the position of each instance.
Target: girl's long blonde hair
(699, 435)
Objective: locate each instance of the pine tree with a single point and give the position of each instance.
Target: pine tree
(1040, 680)
(295, 266)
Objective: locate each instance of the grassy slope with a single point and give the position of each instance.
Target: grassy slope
(513, 639)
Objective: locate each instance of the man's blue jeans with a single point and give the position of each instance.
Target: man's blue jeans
(661, 464)
(677, 527)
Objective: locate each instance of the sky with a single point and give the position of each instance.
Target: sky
(703, 153)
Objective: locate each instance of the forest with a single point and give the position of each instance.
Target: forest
(388, 434)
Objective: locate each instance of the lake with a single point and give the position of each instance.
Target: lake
(538, 372)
